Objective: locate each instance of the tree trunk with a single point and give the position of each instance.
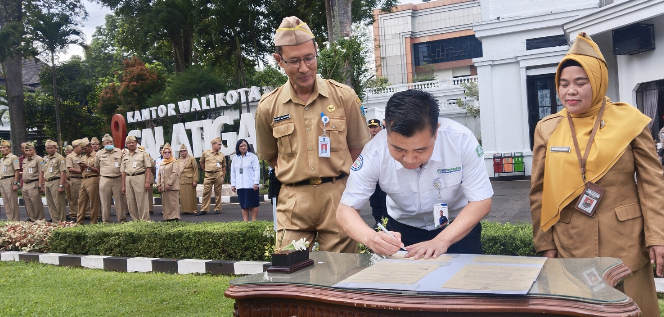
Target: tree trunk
(339, 21)
(55, 98)
(178, 53)
(187, 47)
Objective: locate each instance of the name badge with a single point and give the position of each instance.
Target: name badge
(281, 118)
(323, 146)
(240, 170)
(4, 168)
(117, 164)
(134, 164)
(560, 149)
(588, 201)
(218, 165)
(30, 170)
(50, 170)
(440, 215)
(88, 169)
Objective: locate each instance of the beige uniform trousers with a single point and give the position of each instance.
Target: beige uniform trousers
(72, 198)
(212, 179)
(309, 209)
(56, 201)
(641, 288)
(188, 200)
(33, 202)
(9, 199)
(111, 188)
(137, 197)
(88, 195)
(170, 204)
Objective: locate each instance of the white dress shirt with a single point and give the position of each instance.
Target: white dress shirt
(250, 171)
(455, 174)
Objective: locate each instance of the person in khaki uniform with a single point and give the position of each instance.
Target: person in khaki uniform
(9, 177)
(52, 181)
(89, 192)
(289, 135)
(214, 164)
(73, 178)
(136, 180)
(188, 178)
(95, 144)
(71, 214)
(108, 162)
(169, 185)
(153, 170)
(30, 176)
(627, 221)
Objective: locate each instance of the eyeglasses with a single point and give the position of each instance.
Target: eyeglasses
(296, 63)
(169, 152)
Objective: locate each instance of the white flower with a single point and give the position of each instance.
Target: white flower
(298, 245)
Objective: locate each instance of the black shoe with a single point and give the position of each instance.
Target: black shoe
(128, 214)
(50, 220)
(217, 212)
(68, 218)
(201, 213)
(87, 217)
(151, 212)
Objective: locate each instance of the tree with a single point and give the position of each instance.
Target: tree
(55, 31)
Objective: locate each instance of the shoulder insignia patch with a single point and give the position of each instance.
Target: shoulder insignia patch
(357, 165)
(364, 113)
(479, 150)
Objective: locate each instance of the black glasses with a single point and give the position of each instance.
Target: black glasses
(169, 152)
(296, 63)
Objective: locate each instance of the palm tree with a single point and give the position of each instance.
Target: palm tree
(54, 31)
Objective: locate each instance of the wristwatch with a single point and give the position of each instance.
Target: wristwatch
(61, 186)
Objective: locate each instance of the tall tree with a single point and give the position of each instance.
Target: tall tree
(54, 31)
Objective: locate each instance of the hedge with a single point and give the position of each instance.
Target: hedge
(508, 239)
(237, 241)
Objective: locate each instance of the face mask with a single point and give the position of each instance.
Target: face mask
(109, 147)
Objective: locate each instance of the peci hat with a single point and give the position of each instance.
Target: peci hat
(5, 143)
(292, 31)
(69, 148)
(183, 147)
(130, 138)
(76, 143)
(29, 145)
(84, 142)
(50, 143)
(215, 140)
(374, 123)
(107, 137)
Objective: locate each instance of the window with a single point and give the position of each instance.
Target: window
(456, 49)
(547, 41)
(542, 100)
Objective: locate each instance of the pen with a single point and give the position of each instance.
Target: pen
(390, 233)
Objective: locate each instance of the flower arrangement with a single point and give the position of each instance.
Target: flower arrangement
(28, 236)
(299, 245)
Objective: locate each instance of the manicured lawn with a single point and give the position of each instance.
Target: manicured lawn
(33, 289)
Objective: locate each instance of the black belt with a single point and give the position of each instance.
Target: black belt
(111, 176)
(32, 181)
(90, 176)
(317, 180)
(135, 174)
(5, 177)
(213, 172)
(52, 178)
(75, 177)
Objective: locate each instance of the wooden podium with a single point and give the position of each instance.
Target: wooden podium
(565, 287)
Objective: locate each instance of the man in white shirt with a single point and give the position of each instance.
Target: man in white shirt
(420, 162)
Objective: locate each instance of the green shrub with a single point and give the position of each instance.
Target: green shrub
(508, 239)
(236, 241)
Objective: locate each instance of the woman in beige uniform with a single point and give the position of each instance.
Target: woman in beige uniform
(169, 185)
(188, 182)
(584, 199)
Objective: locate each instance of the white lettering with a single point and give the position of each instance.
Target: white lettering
(247, 128)
(153, 110)
(254, 94)
(212, 129)
(231, 139)
(145, 113)
(211, 99)
(179, 138)
(136, 133)
(130, 117)
(231, 97)
(220, 100)
(151, 142)
(204, 104)
(243, 97)
(161, 110)
(137, 116)
(195, 128)
(266, 89)
(195, 106)
(184, 106)
(171, 109)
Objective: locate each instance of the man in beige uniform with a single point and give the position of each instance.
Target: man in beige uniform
(95, 144)
(52, 181)
(9, 177)
(89, 192)
(110, 185)
(31, 195)
(136, 180)
(73, 178)
(213, 163)
(289, 132)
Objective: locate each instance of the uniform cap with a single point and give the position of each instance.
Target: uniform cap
(374, 123)
(76, 142)
(51, 143)
(107, 137)
(130, 138)
(69, 148)
(29, 145)
(216, 140)
(94, 139)
(83, 142)
(167, 146)
(292, 31)
(5, 143)
(183, 147)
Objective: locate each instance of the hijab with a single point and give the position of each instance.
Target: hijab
(169, 160)
(622, 123)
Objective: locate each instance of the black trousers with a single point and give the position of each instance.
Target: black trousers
(470, 244)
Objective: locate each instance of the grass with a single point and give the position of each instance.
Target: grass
(34, 289)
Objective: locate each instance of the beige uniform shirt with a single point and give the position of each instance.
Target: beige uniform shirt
(134, 163)
(31, 168)
(9, 165)
(71, 161)
(189, 170)
(290, 127)
(213, 162)
(52, 166)
(108, 162)
(90, 160)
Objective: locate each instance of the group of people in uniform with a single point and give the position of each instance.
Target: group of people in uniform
(94, 176)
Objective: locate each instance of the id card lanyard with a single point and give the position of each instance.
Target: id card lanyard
(592, 192)
(324, 140)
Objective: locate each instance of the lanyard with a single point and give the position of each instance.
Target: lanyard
(583, 161)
